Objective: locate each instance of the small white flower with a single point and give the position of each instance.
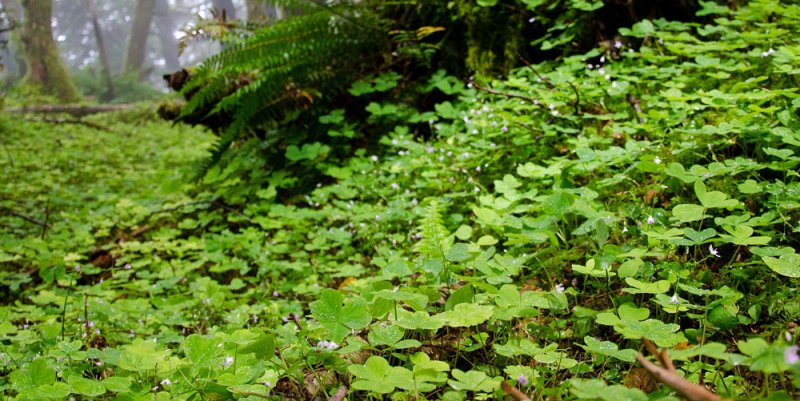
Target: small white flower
(166, 382)
(394, 185)
(624, 230)
(227, 362)
(617, 44)
(377, 217)
(559, 288)
(788, 337)
(651, 220)
(661, 41)
(477, 189)
(590, 66)
(674, 300)
(657, 160)
(374, 158)
(713, 251)
(531, 20)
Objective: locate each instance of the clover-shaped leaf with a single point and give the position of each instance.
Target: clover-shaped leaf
(686, 213)
(743, 235)
(427, 371)
(417, 321)
(473, 380)
(764, 357)
(391, 336)
(377, 376)
(465, 315)
(713, 199)
(339, 318)
(594, 389)
(631, 324)
(607, 348)
(787, 265)
(641, 287)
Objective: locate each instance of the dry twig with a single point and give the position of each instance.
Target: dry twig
(514, 392)
(667, 374)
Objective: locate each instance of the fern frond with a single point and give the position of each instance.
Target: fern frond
(276, 73)
(436, 240)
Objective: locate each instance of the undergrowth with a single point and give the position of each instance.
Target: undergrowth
(551, 221)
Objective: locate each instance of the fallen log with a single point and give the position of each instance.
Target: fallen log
(76, 110)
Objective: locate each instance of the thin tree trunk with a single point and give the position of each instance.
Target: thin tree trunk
(46, 72)
(166, 27)
(101, 48)
(226, 8)
(137, 41)
(256, 12)
(13, 61)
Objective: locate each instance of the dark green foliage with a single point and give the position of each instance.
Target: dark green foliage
(283, 69)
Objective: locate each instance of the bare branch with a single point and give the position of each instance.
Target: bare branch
(514, 392)
(670, 377)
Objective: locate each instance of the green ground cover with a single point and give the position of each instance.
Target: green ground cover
(552, 221)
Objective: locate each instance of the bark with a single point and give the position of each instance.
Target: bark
(13, 63)
(165, 27)
(225, 7)
(256, 12)
(101, 48)
(46, 73)
(137, 41)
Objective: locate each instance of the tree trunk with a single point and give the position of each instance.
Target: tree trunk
(166, 27)
(256, 12)
(225, 7)
(46, 72)
(101, 48)
(137, 41)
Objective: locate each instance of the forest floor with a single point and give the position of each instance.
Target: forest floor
(551, 229)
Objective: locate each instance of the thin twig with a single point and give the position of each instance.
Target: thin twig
(551, 85)
(340, 394)
(509, 95)
(27, 218)
(514, 392)
(669, 376)
(46, 224)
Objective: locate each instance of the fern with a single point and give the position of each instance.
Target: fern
(436, 240)
(282, 70)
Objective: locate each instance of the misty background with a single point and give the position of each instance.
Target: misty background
(171, 34)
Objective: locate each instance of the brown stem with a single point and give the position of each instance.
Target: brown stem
(339, 394)
(509, 95)
(667, 375)
(514, 392)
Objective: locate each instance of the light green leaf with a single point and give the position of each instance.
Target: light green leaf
(465, 315)
(787, 265)
(688, 212)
